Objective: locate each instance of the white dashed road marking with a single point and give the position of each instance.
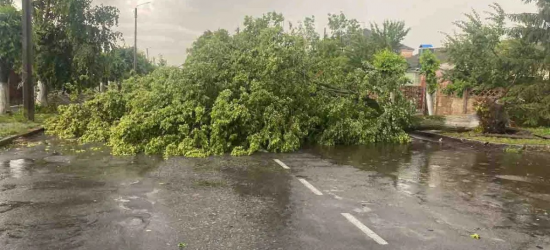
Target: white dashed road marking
(311, 187)
(282, 164)
(365, 229)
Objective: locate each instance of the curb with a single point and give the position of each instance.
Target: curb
(10, 139)
(433, 136)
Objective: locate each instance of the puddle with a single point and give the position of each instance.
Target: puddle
(520, 179)
(17, 168)
(459, 177)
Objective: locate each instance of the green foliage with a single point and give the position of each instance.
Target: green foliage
(475, 53)
(71, 37)
(430, 65)
(10, 42)
(513, 150)
(390, 35)
(119, 64)
(529, 51)
(541, 131)
(262, 88)
(530, 105)
(162, 62)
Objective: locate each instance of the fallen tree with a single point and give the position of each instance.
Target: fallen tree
(261, 88)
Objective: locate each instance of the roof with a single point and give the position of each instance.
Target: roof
(405, 47)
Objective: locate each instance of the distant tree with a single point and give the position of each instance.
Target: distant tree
(346, 40)
(390, 35)
(534, 27)
(306, 29)
(120, 64)
(71, 37)
(10, 48)
(429, 67)
(162, 62)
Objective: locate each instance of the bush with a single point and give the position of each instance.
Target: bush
(530, 105)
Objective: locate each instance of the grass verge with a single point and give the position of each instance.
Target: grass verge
(483, 138)
(543, 131)
(17, 124)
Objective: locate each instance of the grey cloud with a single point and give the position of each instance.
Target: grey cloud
(179, 22)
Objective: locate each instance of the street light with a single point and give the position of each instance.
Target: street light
(135, 36)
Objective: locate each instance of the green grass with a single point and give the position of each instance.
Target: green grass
(16, 123)
(512, 149)
(544, 131)
(482, 138)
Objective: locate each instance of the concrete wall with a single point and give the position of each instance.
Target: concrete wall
(16, 94)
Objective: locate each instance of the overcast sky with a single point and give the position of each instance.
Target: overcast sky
(169, 27)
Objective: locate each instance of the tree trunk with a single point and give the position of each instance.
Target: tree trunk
(102, 86)
(429, 103)
(4, 90)
(42, 97)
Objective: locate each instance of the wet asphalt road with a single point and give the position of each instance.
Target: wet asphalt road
(59, 195)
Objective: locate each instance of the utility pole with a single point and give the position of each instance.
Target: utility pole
(28, 88)
(147, 54)
(135, 41)
(135, 35)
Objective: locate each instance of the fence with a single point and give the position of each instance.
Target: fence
(414, 94)
(449, 104)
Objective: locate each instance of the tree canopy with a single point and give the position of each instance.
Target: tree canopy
(71, 37)
(10, 32)
(10, 48)
(475, 53)
(389, 35)
(119, 63)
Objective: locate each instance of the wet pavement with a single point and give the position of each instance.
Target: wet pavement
(56, 194)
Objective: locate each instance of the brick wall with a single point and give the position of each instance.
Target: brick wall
(452, 105)
(407, 53)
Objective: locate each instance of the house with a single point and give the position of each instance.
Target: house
(406, 51)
